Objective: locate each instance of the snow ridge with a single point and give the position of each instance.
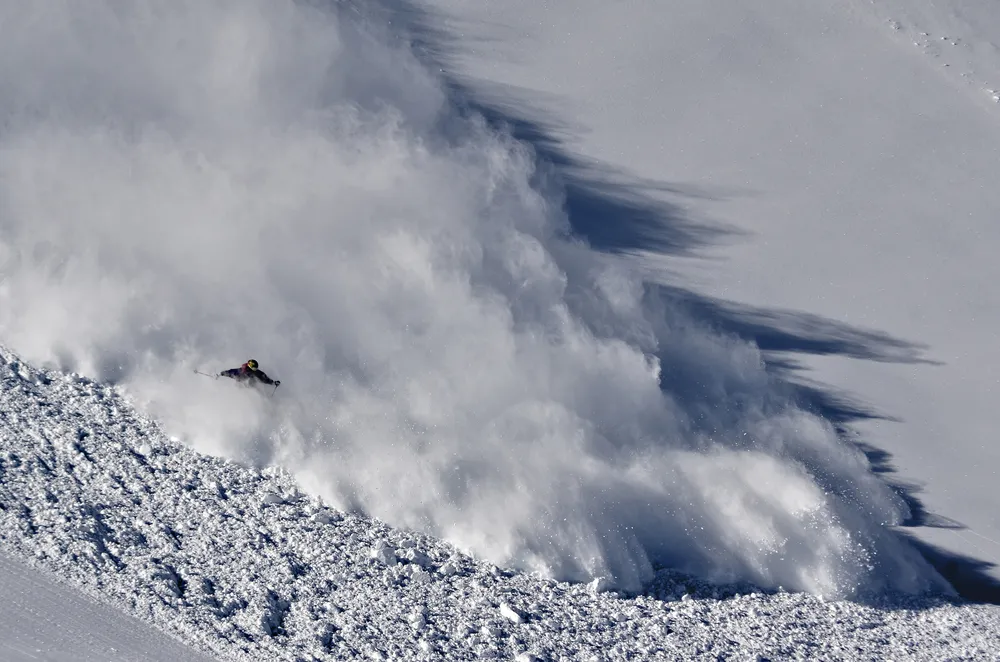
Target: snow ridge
(242, 564)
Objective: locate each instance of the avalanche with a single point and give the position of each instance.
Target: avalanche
(240, 563)
(492, 425)
(291, 180)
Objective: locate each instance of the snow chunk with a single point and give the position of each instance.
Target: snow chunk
(418, 575)
(384, 553)
(449, 569)
(414, 556)
(511, 614)
(600, 585)
(418, 619)
(272, 499)
(490, 631)
(325, 517)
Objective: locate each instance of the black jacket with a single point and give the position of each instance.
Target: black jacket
(246, 374)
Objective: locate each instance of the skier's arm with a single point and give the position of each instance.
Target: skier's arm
(232, 372)
(262, 376)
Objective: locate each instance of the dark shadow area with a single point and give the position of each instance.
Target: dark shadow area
(618, 213)
(789, 331)
(612, 210)
(970, 577)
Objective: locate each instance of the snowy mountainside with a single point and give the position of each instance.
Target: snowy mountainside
(860, 133)
(292, 181)
(241, 564)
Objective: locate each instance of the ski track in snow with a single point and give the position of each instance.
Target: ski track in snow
(241, 564)
(949, 40)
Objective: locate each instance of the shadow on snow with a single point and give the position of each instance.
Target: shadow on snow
(619, 213)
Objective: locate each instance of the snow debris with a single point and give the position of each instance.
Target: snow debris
(194, 545)
(510, 613)
(600, 585)
(384, 553)
(414, 556)
(418, 575)
(448, 569)
(325, 517)
(273, 499)
(491, 631)
(418, 619)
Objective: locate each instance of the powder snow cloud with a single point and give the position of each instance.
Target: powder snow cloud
(186, 185)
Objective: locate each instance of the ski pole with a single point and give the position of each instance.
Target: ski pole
(199, 372)
(275, 389)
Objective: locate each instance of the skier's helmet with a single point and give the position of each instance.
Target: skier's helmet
(252, 364)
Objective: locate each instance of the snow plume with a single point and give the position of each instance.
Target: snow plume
(187, 184)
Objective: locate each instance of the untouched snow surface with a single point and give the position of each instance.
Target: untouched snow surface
(243, 565)
(45, 621)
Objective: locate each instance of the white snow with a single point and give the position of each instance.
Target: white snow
(453, 361)
(193, 545)
(43, 620)
(493, 440)
(851, 147)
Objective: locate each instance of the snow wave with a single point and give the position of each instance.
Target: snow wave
(186, 184)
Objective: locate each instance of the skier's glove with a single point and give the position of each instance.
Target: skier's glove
(277, 382)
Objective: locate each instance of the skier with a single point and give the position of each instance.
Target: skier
(248, 372)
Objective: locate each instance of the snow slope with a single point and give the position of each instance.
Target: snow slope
(849, 148)
(186, 185)
(477, 405)
(242, 564)
(42, 620)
